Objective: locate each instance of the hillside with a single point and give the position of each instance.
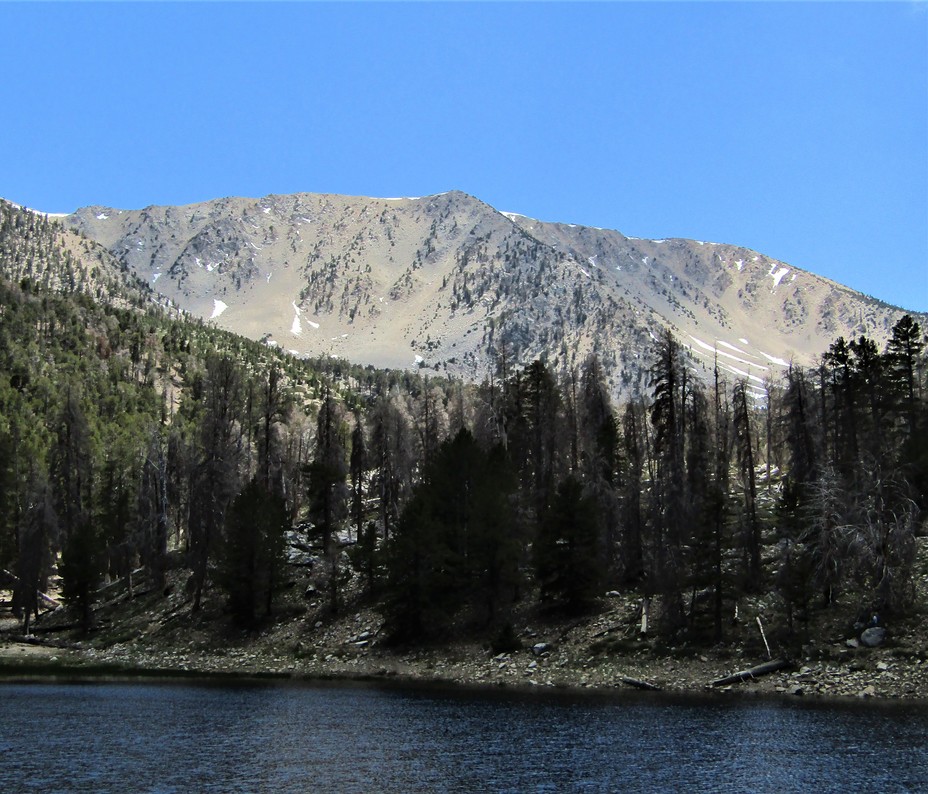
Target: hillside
(173, 490)
(40, 253)
(450, 284)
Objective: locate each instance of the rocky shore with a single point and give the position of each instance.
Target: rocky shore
(593, 654)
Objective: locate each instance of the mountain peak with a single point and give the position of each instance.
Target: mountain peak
(449, 283)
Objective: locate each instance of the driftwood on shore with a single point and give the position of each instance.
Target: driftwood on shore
(638, 684)
(753, 672)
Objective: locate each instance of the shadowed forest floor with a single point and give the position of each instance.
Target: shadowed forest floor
(152, 632)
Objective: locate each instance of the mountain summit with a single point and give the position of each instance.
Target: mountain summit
(448, 283)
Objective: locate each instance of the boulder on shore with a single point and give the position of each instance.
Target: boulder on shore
(873, 637)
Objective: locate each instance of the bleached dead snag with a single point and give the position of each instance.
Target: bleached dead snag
(763, 636)
(54, 602)
(754, 672)
(637, 684)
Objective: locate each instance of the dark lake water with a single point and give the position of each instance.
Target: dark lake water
(171, 738)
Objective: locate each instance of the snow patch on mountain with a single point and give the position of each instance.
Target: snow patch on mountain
(714, 349)
(218, 308)
(777, 275)
(774, 359)
(732, 347)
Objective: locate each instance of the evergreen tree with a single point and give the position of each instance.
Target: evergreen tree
(365, 531)
(902, 355)
(391, 459)
(718, 500)
(633, 520)
(668, 506)
(253, 551)
(796, 564)
(327, 490)
(152, 510)
(217, 472)
(598, 432)
(568, 564)
(868, 367)
(274, 404)
(750, 524)
(454, 545)
(81, 563)
(704, 504)
(904, 359)
(37, 536)
(81, 569)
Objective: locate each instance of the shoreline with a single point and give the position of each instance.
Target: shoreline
(50, 664)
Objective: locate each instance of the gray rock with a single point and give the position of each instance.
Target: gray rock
(873, 637)
(541, 647)
(852, 643)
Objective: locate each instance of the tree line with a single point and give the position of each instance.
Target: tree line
(133, 444)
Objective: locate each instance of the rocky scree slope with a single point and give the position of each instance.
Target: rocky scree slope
(449, 283)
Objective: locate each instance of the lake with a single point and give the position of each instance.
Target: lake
(107, 737)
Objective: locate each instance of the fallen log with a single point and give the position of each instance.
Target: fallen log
(638, 684)
(753, 672)
(604, 632)
(55, 629)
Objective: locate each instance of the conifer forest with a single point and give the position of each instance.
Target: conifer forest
(136, 443)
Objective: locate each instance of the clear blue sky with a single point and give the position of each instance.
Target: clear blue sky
(796, 129)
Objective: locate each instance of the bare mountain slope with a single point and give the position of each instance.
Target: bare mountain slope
(450, 283)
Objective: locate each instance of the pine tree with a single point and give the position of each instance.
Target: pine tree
(391, 459)
(455, 545)
(668, 506)
(902, 353)
(744, 449)
(152, 510)
(365, 531)
(598, 433)
(81, 563)
(633, 520)
(253, 551)
(567, 559)
(37, 535)
(327, 490)
(217, 472)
